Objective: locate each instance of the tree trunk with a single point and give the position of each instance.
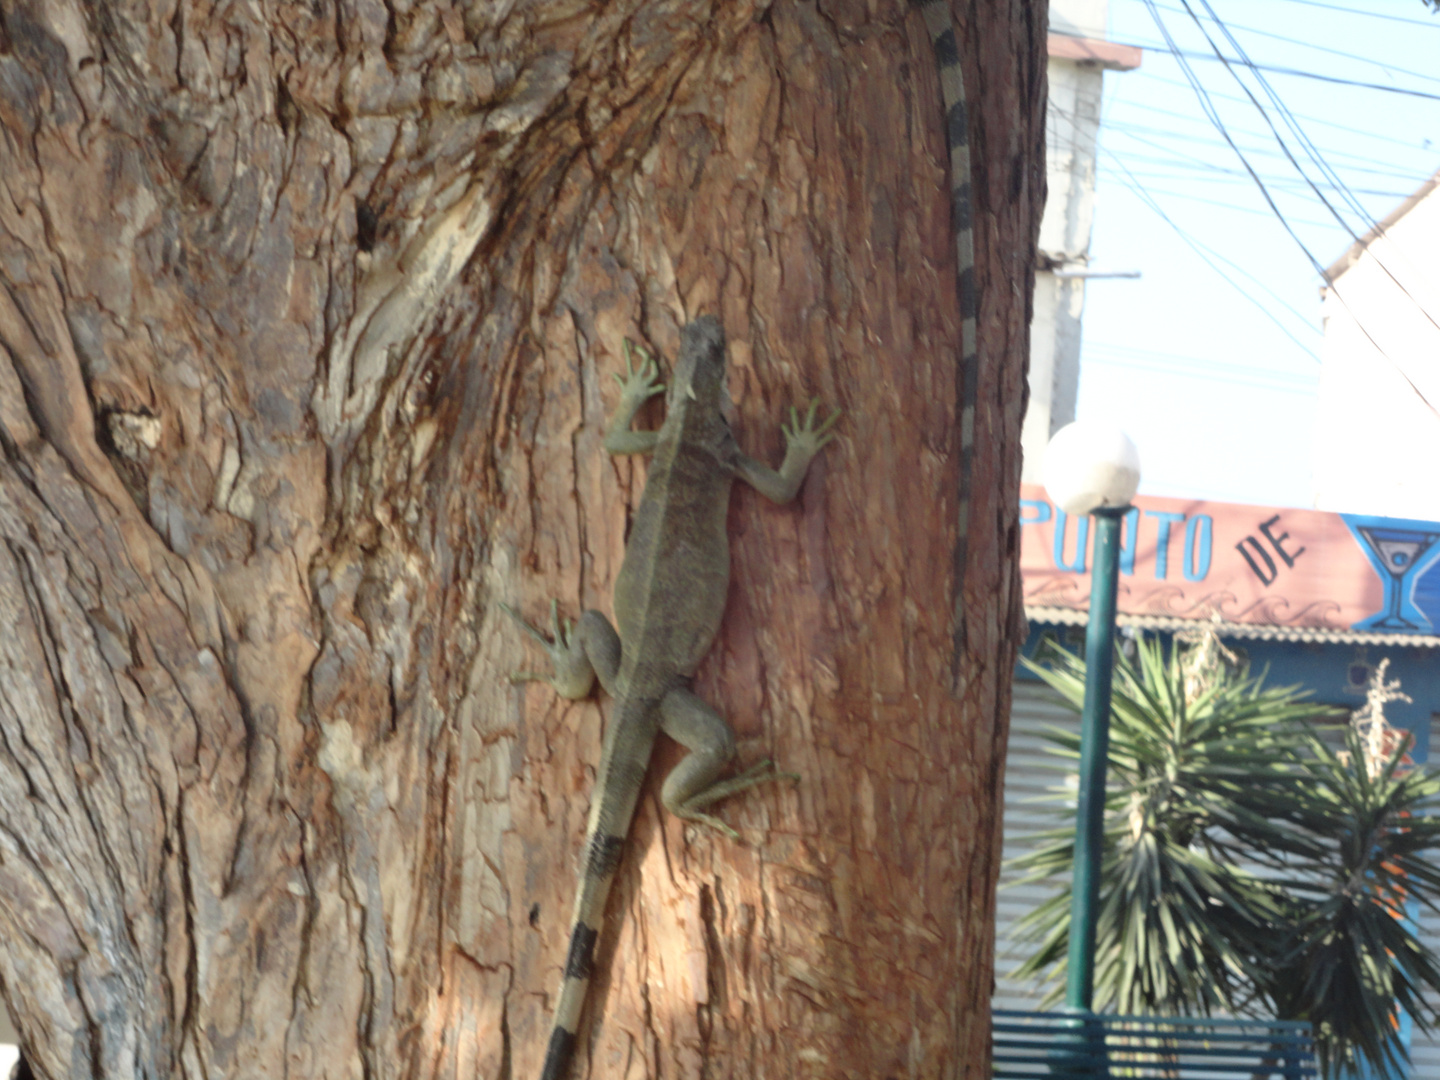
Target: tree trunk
(308, 318)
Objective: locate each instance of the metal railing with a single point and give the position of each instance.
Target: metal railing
(1090, 1046)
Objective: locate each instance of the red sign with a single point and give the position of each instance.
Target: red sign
(1189, 559)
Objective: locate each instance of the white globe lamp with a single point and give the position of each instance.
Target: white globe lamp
(1089, 466)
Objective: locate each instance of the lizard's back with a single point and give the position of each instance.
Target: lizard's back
(670, 592)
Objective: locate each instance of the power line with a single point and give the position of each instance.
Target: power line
(1150, 73)
(1232, 97)
(1318, 48)
(1208, 106)
(1209, 166)
(1184, 366)
(1304, 378)
(1295, 129)
(1169, 194)
(1299, 73)
(1172, 156)
(1206, 254)
(1131, 130)
(1167, 169)
(1127, 128)
(1198, 167)
(1214, 116)
(1307, 321)
(1368, 14)
(1310, 149)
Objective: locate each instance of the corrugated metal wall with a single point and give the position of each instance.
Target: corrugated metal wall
(1030, 774)
(1425, 1049)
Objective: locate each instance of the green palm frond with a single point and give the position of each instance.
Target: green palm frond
(1247, 867)
(1367, 852)
(1189, 780)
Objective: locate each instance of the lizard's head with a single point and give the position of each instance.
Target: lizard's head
(699, 374)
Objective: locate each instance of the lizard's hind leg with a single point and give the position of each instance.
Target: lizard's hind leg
(578, 653)
(693, 784)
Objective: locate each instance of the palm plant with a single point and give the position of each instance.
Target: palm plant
(1247, 867)
(1363, 848)
(1190, 773)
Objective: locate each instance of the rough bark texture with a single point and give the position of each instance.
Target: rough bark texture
(307, 317)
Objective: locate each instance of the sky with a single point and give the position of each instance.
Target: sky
(1210, 360)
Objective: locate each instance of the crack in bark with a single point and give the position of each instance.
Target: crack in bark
(193, 995)
(46, 633)
(243, 784)
(715, 988)
(505, 1063)
(301, 979)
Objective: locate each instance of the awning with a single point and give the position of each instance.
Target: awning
(1059, 616)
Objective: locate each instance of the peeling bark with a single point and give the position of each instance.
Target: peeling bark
(307, 316)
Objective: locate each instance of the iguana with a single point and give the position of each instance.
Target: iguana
(669, 599)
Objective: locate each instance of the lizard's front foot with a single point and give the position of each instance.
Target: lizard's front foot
(573, 676)
(637, 386)
(640, 384)
(804, 437)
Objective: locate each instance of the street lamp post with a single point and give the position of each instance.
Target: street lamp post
(1092, 469)
(1094, 754)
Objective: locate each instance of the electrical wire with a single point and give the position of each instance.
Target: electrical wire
(1295, 129)
(1170, 194)
(1141, 132)
(1129, 104)
(1138, 131)
(1208, 256)
(1209, 108)
(1388, 67)
(1173, 158)
(1367, 14)
(1148, 361)
(1214, 116)
(1211, 167)
(1298, 73)
(1309, 147)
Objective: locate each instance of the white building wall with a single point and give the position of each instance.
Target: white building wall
(1072, 126)
(1080, 18)
(1377, 441)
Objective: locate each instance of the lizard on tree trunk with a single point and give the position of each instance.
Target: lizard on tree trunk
(669, 600)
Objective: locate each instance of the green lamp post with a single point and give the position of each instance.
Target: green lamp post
(1092, 468)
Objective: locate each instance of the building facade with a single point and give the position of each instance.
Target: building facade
(1377, 431)
(1315, 599)
(1079, 58)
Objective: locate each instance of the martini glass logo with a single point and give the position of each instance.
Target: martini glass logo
(1401, 552)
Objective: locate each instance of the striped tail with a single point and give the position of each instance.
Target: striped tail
(957, 135)
(602, 856)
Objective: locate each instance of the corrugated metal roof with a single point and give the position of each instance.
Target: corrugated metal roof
(1264, 632)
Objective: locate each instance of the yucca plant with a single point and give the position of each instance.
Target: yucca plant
(1191, 773)
(1365, 847)
(1248, 868)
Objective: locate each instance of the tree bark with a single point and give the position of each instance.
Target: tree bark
(308, 317)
